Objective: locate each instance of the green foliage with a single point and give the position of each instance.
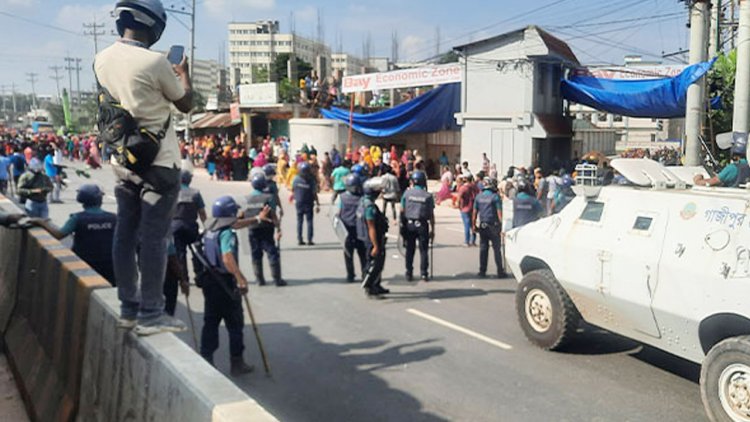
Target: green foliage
(288, 91)
(279, 66)
(56, 114)
(260, 74)
(449, 57)
(199, 102)
(721, 82)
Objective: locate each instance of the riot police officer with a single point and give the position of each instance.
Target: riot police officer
(262, 236)
(526, 208)
(348, 205)
(488, 209)
(270, 171)
(93, 231)
(190, 207)
(372, 227)
(418, 220)
(305, 194)
(224, 284)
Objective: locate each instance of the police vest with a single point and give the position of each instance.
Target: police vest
(255, 204)
(187, 209)
(93, 236)
(486, 208)
(304, 192)
(272, 188)
(349, 206)
(212, 249)
(381, 223)
(416, 204)
(743, 173)
(523, 211)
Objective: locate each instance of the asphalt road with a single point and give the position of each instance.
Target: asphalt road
(450, 349)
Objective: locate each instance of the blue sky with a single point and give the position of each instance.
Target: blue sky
(40, 33)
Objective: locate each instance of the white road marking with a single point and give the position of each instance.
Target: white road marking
(454, 230)
(460, 329)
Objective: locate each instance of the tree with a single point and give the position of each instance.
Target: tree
(56, 114)
(288, 91)
(280, 66)
(449, 57)
(199, 102)
(721, 83)
(260, 74)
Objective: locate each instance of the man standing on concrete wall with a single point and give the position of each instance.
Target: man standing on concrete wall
(143, 82)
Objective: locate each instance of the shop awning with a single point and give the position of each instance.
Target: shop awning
(214, 121)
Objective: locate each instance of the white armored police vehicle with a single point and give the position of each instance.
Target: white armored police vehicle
(656, 261)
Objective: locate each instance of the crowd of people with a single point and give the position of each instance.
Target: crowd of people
(665, 155)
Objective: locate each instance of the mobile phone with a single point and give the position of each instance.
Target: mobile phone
(176, 53)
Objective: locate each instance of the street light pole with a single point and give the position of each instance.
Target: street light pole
(740, 119)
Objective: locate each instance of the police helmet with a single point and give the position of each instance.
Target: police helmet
(269, 170)
(148, 15)
(739, 144)
(224, 207)
(490, 183)
(419, 178)
(373, 186)
(354, 184)
(35, 165)
(259, 181)
(304, 169)
(90, 195)
(523, 185)
(358, 169)
(186, 177)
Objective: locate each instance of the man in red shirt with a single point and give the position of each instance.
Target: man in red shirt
(466, 195)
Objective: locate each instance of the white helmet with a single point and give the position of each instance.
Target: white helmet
(148, 14)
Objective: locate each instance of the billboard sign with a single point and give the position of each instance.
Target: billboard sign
(421, 76)
(257, 95)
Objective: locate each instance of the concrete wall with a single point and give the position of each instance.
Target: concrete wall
(57, 324)
(324, 134)
(157, 378)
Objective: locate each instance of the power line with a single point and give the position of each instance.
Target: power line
(42, 24)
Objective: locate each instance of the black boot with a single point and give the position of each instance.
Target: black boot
(258, 270)
(276, 273)
(239, 367)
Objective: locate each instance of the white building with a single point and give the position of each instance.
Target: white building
(207, 77)
(511, 106)
(253, 44)
(347, 64)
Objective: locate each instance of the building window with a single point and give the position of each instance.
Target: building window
(617, 118)
(601, 117)
(653, 137)
(541, 78)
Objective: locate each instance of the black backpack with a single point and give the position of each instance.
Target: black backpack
(133, 147)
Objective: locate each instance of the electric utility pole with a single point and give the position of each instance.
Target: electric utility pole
(191, 59)
(696, 92)
(93, 29)
(57, 78)
(32, 78)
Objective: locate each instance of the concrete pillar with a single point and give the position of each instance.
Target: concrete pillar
(741, 117)
(696, 91)
(714, 40)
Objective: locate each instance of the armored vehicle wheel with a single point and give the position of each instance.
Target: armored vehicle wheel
(725, 381)
(547, 315)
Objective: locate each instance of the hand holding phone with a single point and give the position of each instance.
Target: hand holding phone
(176, 54)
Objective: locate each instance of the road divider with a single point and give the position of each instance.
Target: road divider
(460, 329)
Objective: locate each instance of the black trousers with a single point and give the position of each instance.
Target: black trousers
(219, 305)
(374, 268)
(261, 240)
(171, 282)
(393, 203)
(351, 245)
(302, 215)
(487, 235)
(417, 231)
(184, 233)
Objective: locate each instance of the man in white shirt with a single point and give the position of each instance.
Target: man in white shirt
(144, 83)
